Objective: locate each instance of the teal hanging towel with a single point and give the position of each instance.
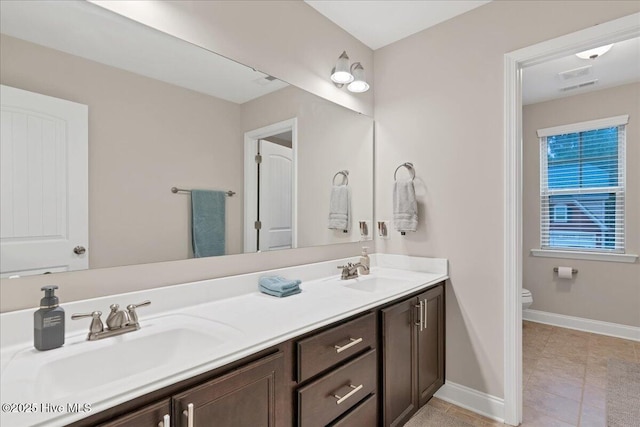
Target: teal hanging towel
(208, 222)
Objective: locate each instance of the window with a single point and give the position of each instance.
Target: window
(582, 186)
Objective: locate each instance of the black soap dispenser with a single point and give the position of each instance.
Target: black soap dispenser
(48, 321)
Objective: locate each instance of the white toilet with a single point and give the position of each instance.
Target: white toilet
(527, 298)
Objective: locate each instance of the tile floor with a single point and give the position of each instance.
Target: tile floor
(565, 375)
(564, 378)
(463, 414)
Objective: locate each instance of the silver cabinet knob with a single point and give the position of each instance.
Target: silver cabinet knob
(79, 250)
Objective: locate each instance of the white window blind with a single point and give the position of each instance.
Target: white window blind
(582, 186)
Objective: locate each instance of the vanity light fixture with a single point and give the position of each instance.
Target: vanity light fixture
(359, 84)
(594, 53)
(351, 75)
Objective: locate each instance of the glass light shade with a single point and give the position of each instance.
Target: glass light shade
(594, 53)
(359, 83)
(341, 73)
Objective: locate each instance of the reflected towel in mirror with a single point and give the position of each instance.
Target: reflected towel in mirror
(208, 223)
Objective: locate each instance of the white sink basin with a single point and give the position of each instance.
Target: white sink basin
(373, 284)
(81, 366)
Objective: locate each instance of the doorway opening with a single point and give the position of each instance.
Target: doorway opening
(603, 34)
(270, 193)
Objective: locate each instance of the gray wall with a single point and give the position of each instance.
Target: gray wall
(439, 104)
(606, 291)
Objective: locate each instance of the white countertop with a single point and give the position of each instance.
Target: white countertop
(246, 321)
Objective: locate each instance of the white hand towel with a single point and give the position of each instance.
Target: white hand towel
(339, 208)
(405, 206)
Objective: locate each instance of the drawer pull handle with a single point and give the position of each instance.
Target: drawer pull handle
(189, 414)
(166, 421)
(348, 395)
(353, 341)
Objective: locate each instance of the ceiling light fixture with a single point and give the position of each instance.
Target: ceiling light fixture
(351, 75)
(594, 53)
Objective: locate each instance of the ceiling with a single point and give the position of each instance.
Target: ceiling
(89, 31)
(543, 82)
(377, 23)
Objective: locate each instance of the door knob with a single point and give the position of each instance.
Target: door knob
(79, 250)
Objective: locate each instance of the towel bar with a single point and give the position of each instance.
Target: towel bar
(407, 165)
(175, 190)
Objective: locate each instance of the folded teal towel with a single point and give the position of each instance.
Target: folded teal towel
(290, 292)
(278, 283)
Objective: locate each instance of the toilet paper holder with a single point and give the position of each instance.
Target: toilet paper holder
(573, 270)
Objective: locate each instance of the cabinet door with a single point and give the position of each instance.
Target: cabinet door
(399, 370)
(248, 396)
(150, 416)
(430, 343)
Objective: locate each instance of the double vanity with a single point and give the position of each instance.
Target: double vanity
(359, 352)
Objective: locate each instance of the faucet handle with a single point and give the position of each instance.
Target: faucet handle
(96, 323)
(133, 316)
(134, 306)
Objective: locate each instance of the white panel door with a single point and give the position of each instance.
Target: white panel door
(44, 183)
(275, 196)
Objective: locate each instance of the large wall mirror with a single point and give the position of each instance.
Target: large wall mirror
(102, 117)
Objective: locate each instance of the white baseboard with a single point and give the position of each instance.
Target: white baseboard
(473, 400)
(582, 324)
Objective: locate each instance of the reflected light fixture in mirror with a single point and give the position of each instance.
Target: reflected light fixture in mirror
(352, 75)
(594, 53)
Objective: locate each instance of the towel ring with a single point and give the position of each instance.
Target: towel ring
(407, 165)
(345, 174)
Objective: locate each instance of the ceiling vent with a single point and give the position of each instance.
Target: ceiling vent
(263, 81)
(579, 86)
(575, 73)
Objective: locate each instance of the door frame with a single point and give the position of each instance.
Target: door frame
(602, 34)
(251, 177)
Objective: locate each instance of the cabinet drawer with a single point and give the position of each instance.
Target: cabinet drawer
(365, 414)
(322, 351)
(317, 402)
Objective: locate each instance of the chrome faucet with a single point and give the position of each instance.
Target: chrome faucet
(351, 270)
(118, 322)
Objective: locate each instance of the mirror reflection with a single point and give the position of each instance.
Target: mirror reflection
(103, 116)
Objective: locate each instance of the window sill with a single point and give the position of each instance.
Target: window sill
(591, 256)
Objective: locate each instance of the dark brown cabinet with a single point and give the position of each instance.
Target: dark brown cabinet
(252, 395)
(249, 396)
(155, 415)
(412, 354)
(431, 344)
